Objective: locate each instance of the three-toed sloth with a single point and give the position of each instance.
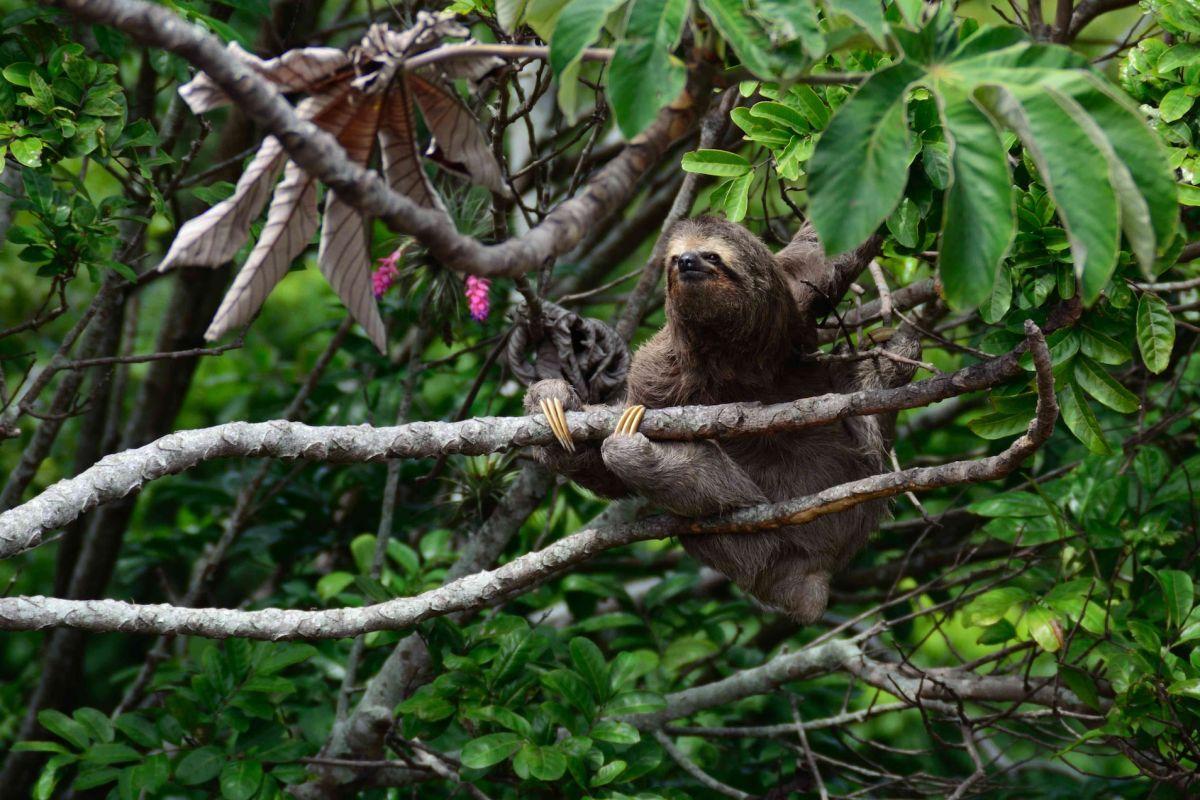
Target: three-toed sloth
(740, 323)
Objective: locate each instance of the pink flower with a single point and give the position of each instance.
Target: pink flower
(477, 297)
(386, 273)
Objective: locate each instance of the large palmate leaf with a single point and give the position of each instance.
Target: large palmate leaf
(343, 256)
(974, 236)
(855, 182)
(215, 236)
(361, 98)
(1105, 170)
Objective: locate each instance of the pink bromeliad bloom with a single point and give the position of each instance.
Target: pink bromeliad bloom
(477, 297)
(386, 273)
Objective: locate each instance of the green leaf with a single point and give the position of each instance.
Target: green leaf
(510, 13)
(610, 730)
(240, 779)
(628, 666)
(979, 219)
(273, 657)
(867, 13)
(200, 766)
(542, 763)
(1178, 594)
(1045, 629)
(152, 774)
(1176, 103)
(635, 703)
(991, 606)
(578, 27)
(805, 100)
(1095, 380)
(720, 163)
(111, 753)
(642, 79)
(1081, 683)
(571, 686)
(332, 584)
(737, 199)
(608, 773)
(64, 727)
(903, 223)
(643, 76)
(590, 663)
(1155, 332)
(1011, 504)
(490, 749)
(1145, 180)
(1076, 175)
(997, 633)
(1000, 300)
(96, 722)
(28, 151)
(139, 730)
(1102, 348)
(1181, 55)
(792, 20)
(1000, 425)
(859, 167)
(781, 115)
(1080, 420)
(748, 40)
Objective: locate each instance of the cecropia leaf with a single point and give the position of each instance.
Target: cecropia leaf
(343, 255)
(303, 69)
(399, 153)
(455, 131)
(291, 221)
(290, 225)
(214, 237)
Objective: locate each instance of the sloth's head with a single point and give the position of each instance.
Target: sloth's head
(721, 278)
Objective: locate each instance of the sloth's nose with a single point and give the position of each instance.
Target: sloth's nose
(689, 261)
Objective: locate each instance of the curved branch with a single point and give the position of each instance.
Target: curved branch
(494, 586)
(24, 527)
(319, 154)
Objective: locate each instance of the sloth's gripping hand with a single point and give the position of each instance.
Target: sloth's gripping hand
(687, 478)
(579, 461)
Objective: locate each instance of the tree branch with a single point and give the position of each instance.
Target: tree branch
(495, 586)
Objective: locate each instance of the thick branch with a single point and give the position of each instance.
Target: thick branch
(495, 586)
(319, 154)
(23, 528)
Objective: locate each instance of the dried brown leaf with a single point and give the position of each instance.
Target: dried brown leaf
(402, 165)
(214, 237)
(455, 130)
(343, 256)
(304, 69)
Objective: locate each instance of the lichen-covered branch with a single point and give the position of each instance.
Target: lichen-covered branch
(118, 475)
(494, 586)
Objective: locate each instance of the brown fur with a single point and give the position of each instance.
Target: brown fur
(737, 335)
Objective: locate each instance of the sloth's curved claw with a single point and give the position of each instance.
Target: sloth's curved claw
(556, 418)
(629, 421)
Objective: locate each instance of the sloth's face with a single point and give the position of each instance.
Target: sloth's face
(717, 272)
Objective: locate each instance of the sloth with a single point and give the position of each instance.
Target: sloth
(741, 327)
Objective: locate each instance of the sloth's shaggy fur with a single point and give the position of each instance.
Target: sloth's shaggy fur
(736, 331)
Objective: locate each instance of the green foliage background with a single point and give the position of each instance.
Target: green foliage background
(1025, 180)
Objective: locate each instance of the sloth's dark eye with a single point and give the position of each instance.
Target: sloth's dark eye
(713, 257)
(673, 259)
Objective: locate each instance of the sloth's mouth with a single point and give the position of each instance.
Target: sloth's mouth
(695, 271)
